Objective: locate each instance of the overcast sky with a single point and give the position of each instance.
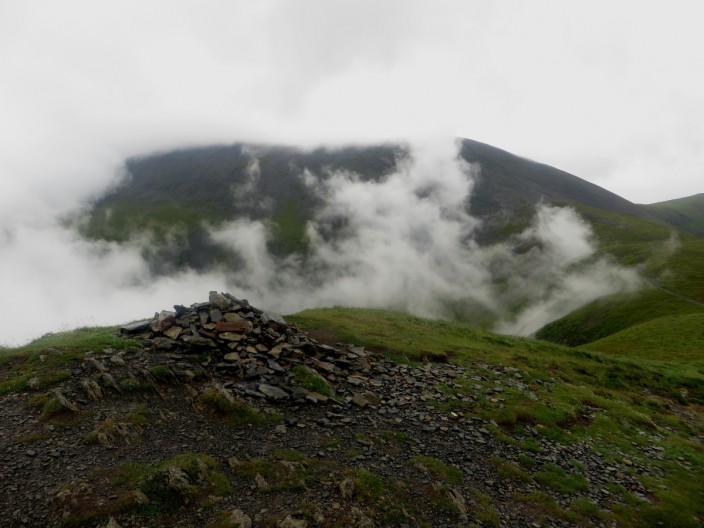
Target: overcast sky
(612, 91)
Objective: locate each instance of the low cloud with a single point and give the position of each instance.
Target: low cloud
(56, 281)
(404, 243)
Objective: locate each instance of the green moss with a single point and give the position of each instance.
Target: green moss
(439, 469)
(162, 373)
(483, 508)
(311, 381)
(201, 473)
(51, 408)
(368, 486)
(235, 411)
(42, 359)
(556, 478)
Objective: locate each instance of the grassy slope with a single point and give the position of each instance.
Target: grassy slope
(46, 359)
(671, 261)
(686, 213)
(637, 404)
(620, 408)
(677, 338)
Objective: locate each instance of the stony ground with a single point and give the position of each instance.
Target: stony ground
(172, 434)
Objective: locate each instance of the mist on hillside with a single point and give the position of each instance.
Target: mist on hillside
(405, 242)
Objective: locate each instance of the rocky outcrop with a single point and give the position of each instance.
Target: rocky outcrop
(257, 351)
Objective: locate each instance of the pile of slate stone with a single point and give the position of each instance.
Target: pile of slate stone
(258, 353)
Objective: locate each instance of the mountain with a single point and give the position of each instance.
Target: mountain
(179, 197)
(216, 184)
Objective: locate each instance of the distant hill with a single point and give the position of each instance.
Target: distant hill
(220, 183)
(685, 213)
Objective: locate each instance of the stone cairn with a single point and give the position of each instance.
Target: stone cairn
(258, 353)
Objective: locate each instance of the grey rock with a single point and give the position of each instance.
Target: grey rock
(112, 523)
(273, 392)
(360, 519)
(240, 519)
(261, 482)
(65, 402)
(198, 341)
(290, 522)
(163, 321)
(218, 300)
(173, 332)
(347, 488)
(266, 317)
(92, 389)
(136, 327)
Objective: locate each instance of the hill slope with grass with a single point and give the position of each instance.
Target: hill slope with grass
(425, 423)
(672, 264)
(685, 213)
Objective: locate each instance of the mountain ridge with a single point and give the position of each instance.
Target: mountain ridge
(180, 196)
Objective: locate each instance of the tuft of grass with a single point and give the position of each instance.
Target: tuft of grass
(439, 469)
(161, 372)
(233, 410)
(542, 506)
(51, 408)
(483, 508)
(526, 461)
(128, 426)
(42, 359)
(311, 381)
(132, 385)
(32, 437)
(556, 478)
(509, 470)
(394, 436)
(286, 470)
(203, 480)
(531, 445)
(588, 510)
(368, 486)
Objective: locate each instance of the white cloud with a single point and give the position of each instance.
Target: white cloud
(405, 243)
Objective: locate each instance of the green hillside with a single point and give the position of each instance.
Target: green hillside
(673, 339)
(671, 263)
(631, 429)
(614, 404)
(685, 213)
